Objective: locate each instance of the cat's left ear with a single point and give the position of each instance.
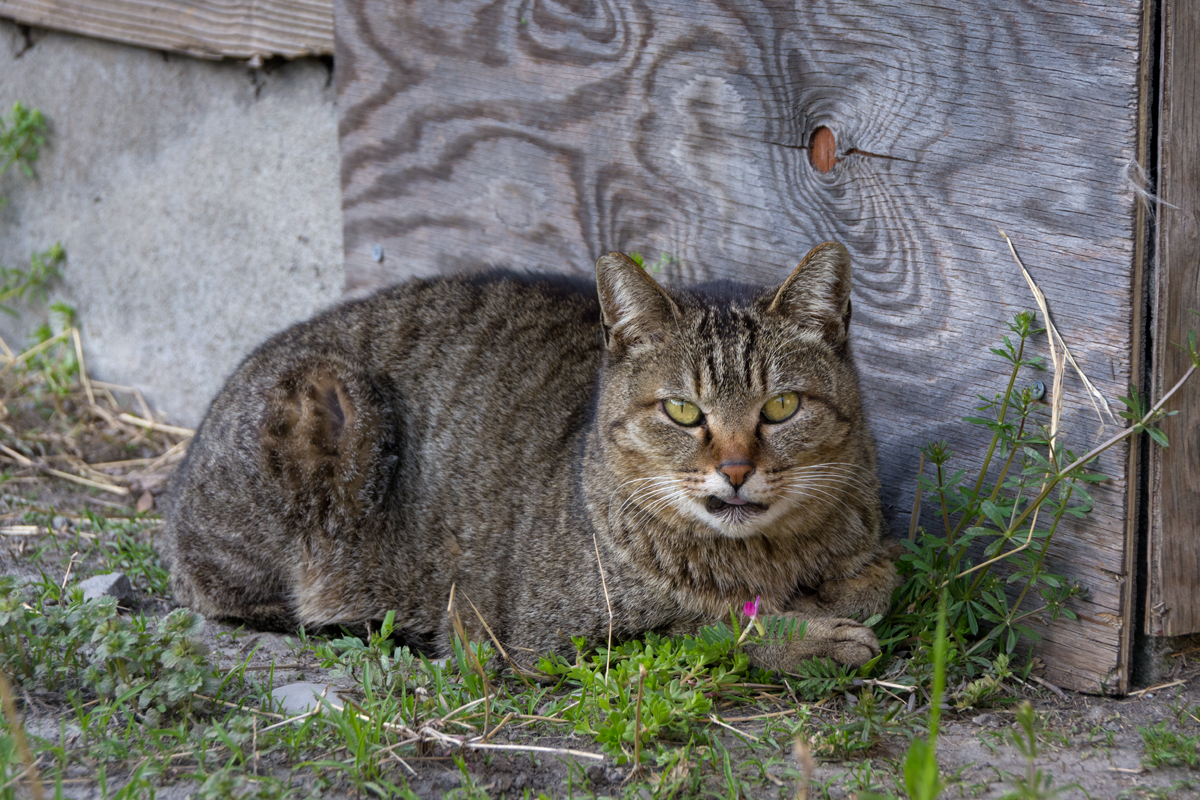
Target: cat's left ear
(634, 308)
(817, 294)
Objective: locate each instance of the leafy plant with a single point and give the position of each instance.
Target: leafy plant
(73, 643)
(1034, 784)
(20, 284)
(1167, 748)
(1008, 510)
(22, 133)
(681, 676)
(820, 677)
(665, 259)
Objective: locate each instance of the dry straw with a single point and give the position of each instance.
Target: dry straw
(97, 420)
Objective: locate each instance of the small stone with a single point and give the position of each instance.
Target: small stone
(987, 721)
(304, 696)
(114, 584)
(145, 502)
(60, 523)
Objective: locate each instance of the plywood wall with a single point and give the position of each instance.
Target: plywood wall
(540, 135)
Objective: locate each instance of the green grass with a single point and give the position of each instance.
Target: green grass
(1168, 748)
(143, 705)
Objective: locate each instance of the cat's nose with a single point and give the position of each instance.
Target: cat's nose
(736, 471)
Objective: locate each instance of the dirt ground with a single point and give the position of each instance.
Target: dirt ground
(1088, 741)
(1091, 746)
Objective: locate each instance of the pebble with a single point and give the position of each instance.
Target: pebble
(987, 721)
(114, 584)
(303, 696)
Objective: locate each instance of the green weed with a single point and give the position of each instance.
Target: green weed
(22, 134)
(128, 549)
(682, 676)
(1002, 513)
(1167, 748)
(665, 259)
(73, 644)
(1034, 784)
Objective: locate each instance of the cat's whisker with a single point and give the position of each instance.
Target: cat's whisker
(817, 490)
(850, 478)
(646, 513)
(833, 491)
(834, 504)
(635, 494)
(832, 479)
(831, 466)
(652, 493)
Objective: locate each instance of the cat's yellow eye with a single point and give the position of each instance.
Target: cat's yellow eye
(780, 407)
(682, 411)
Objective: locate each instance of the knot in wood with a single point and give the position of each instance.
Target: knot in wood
(822, 150)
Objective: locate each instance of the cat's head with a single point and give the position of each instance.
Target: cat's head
(734, 410)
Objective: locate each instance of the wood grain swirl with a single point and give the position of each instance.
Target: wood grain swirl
(539, 135)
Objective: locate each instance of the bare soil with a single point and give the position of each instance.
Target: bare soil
(1091, 746)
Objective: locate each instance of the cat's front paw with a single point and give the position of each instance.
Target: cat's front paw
(844, 640)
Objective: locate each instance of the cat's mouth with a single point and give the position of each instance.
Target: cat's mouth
(735, 509)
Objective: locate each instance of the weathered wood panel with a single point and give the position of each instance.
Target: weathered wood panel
(1173, 600)
(203, 28)
(539, 135)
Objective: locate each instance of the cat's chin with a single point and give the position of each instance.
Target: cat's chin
(738, 519)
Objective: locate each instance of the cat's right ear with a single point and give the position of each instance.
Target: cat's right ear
(635, 309)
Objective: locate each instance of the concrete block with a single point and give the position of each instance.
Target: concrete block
(199, 204)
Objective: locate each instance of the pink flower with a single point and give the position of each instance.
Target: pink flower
(751, 607)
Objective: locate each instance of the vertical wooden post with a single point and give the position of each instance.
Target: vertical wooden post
(1173, 598)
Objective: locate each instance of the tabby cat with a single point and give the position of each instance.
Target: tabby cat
(564, 458)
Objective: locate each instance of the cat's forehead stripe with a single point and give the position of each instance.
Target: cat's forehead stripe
(728, 358)
(749, 351)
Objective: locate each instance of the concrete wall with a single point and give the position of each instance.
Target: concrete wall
(198, 203)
